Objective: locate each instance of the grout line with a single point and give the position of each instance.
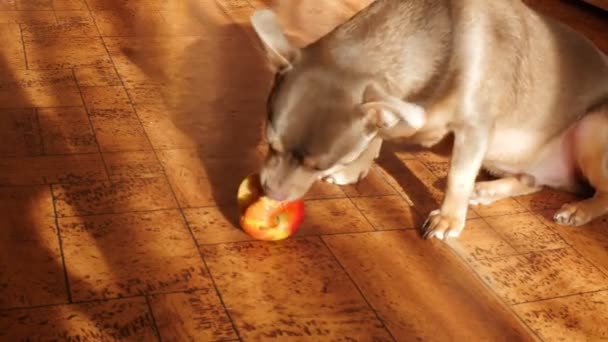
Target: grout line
(44, 306)
(56, 155)
(213, 282)
(501, 236)
(60, 240)
(91, 126)
(55, 13)
(39, 132)
(198, 247)
(600, 269)
(103, 300)
(120, 213)
(492, 292)
(480, 278)
(361, 293)
(605, 289)
(44, 107)
(172, 192)
(156, 330)
(27, 67)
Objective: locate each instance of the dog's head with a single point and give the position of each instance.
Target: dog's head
(319, 118)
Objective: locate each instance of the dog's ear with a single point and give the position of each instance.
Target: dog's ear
(384, 112)
(280, 52)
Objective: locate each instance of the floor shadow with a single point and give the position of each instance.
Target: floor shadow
(28, 235)
(30, 232)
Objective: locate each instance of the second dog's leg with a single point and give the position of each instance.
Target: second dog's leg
(495, 190)
(358, 169)
(591, 148)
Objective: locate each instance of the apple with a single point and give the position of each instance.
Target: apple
(264, 218)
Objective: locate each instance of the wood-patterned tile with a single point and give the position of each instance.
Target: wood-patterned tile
(117, 126)
(438, 164)
(10, 31)
(38, 88)
(214, 225)
(66, 52)
(66, 29)
(148, 60)
(116, 196)
(508, 206)
(30, 261)
(541, 275)
(233, 79)
(526, 233)
(125, 23)
(146, 96)
(12, 49)
(119, 130)
(415, 182)
(66, 130)
(164, 133)
(574, 318)
(326, 16)
(98, 99)
(96, 77)
(116, 320)
(426, 185)
(137, 164)
(546, 199)
(34, 5)
(193, 316)
(590, 240)
(323, 190)
(332, 216)
(212, 127)
(388, 212)
(128, 5)
(479, 241)
(417, 287)
(52, 169)
(69, 5)
(193, 19)
(200, 182)
(73, 16)
(27, 17)
(130, 254)
(20, 132)
(373, 184)
(8, 5)
(394, 182)
(290, 291)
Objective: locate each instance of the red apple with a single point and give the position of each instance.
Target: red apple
(264, 218)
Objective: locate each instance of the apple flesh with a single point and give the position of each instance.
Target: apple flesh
(264, 218)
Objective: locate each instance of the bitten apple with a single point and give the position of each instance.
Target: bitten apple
(264, 218)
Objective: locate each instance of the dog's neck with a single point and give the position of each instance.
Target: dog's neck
(375, 45)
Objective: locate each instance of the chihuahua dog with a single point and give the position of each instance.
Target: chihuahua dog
(525, 97)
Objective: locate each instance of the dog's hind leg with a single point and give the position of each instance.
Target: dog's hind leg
(491, 191)
(591, 148)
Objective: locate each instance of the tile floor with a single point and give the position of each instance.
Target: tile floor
(126, 128)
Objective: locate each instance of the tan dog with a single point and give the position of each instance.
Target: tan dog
(525, 96)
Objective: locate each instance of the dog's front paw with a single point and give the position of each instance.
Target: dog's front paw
(346, 177)
(441, 226)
